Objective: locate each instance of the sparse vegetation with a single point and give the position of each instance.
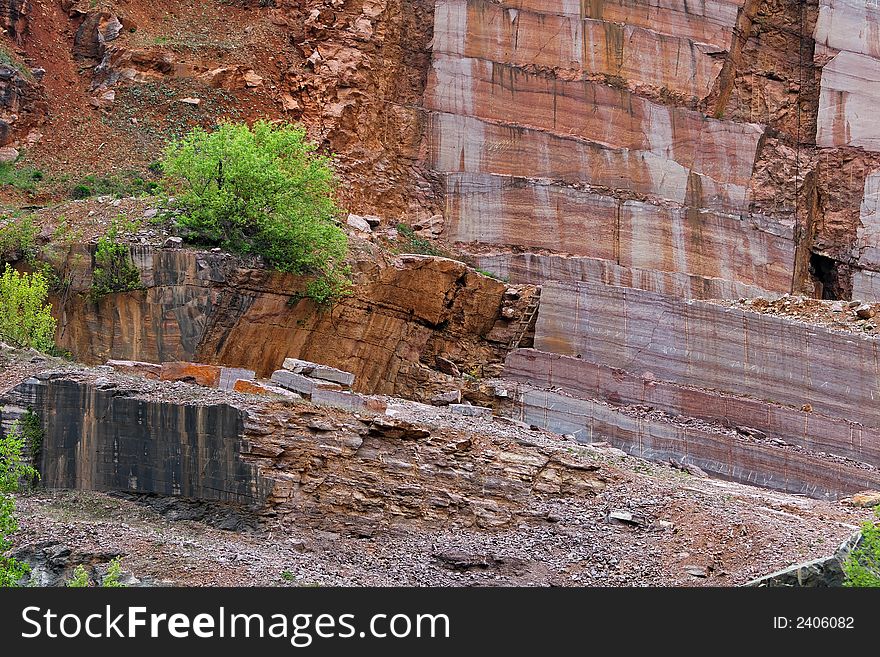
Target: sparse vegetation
(25, 317)
(411, 243)
(262, 190)
(24, 178)
(862, 567)
(127, 183)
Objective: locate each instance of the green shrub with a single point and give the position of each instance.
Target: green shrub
(80, 192)
(13, 470)
(18, 241)
(111, 581)
(25, 317)
(862, 567)
(80, 579)
(114, 269)
(262, 190)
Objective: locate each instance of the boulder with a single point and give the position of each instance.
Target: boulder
(146, 370)
(8, 155)
(204, 375)
(230, 375)
(359, 223)
(250, 387)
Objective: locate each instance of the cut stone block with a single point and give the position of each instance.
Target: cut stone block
(230, 375)
(146, 370)
(471, 411)
(299, 383)
(204, 375)
(251, 387)
(338, 399)
(318, 371)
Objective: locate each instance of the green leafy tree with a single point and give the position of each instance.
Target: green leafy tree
(862, 567)
(25, 317)
(262, 190)
(13, 471)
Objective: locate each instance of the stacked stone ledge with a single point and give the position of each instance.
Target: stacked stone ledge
(324, 385)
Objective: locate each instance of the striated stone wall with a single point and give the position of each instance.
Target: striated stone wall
(781, 425)
(720, 454)
(710, 346)
(598, 130)
(97, 437)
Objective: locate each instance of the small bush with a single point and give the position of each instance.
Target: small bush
(25, 317)
(111, 581)
(18, 241)
(114, 269)
(80, 192)
(862, 567)
(262, 190)
(79, 580)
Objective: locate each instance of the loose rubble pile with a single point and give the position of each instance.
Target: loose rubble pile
(854, 316)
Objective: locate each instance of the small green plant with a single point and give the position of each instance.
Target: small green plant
(862, 566)
(114, 269)
(79, 580)
(25, 317)
(13, 471)
(114, 572)
(414, 244)
(287, 576)
(80, 192)
(23, 178)
(18, 241)
(262, 190)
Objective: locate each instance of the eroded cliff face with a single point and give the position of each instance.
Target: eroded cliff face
(403, 315)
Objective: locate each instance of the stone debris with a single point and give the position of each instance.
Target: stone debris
(471, 411)
(446, 398)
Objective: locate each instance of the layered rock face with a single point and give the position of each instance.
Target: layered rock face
(574, 132)
(208, 307)
(746, 396)
(847, 38)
